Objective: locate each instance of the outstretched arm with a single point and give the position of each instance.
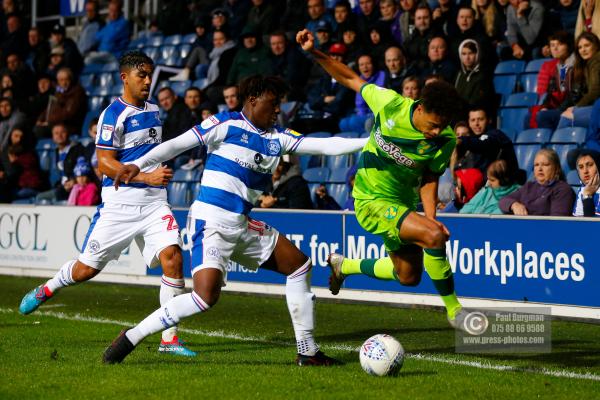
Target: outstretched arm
(330, 146)
(343, 74)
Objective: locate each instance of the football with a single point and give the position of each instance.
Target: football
(381, 355)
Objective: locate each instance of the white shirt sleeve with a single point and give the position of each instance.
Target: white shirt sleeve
(169, 149)
(333, 146)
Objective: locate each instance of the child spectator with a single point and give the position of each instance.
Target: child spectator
(84, 192)
(500, 183)
(411, 87)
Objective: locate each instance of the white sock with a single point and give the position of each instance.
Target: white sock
(168, 315)
(301, 304)
(169, 288)
(63, 278)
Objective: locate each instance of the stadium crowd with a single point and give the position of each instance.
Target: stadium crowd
(528, 72)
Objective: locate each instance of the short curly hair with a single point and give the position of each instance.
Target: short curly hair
(134, 59)
(256, 85)
(442, 99)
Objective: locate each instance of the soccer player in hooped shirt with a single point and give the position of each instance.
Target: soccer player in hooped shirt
(127, 129)
(408, 149)
(244, 150)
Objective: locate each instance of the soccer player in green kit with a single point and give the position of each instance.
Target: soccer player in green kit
(408, 149)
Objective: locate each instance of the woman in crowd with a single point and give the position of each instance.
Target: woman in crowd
(493, 22)
(587, 203)
(548, 194)
(20, 170)
(500, 183)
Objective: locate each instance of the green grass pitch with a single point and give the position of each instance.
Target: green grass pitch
(246, 350)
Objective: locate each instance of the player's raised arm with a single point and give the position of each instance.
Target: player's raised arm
(343, 74)
(334, 146)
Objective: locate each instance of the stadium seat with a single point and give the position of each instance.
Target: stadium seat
(105, 80)
(45, 150)
(173, 40)
(538, 135)
(95, 103)
(525, 154)
(167, 51)
(339, 191)
(178, 194)
(201, 70)
(319, 135)
(179, 87)
(172, 61)
(573, 178)
(186, 175)
(528, 82)
(569, 135)
(536, 65)
(521, 100)
(110, 67)
(199, 83)
(116, 89)
(189, 38)
(509, 67)
(86, 80)
(349, 135)
(365, 135)
(92, 68)
(505, 84)
(316, 175)
(184, 50)
(562, 150)
(154, 41)
(511, 133)
(194, 191)
(513, 118)
(151, 52)
(333, 162)
(137, 43)
(338, 175)
(89, 116)
(101, 91)
(310, 161)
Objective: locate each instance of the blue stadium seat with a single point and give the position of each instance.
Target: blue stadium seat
(525, 155)
(521, 100)
(316, 175)
(189, 38)
(110, 67)
(194, 191)
(179, 87)
(536, 65)
(510, 67)
(199, 83)
(339, 191)
(178, 194)
(510, 133)
(95, 103)
(537, 135)
(86, 80)
(529, 82)
(569, 135)
(350, 135)
(319, 135)
(173, 39)
(310, 161)
(101, 91)
(186, 175)
(137, 43)
(505, 84)
(333, 162)
(573, 178)
(167, 51)
(338, 175)
(46, 158)
(116, 89)
(92, 68)
(172, 61)
(154, 41)
(201, 70)
(89, 116)
(512, 118)
(365, 135)
(151, 52)
(105, 80)
(562, 150)
(184, 50)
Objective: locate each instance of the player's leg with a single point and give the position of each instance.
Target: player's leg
(264, 243)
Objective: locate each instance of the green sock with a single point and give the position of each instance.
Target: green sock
(438, 268)
(379, 268)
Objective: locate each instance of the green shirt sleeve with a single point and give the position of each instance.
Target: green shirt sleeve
(377, 97)
(440, 161)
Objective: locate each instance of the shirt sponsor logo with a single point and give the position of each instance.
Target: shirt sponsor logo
(393, 151)
(152, 132)
(258, 158)
(293, 132)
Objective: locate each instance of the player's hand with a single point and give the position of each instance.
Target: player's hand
(588, 8)
(523, 6)
(518, 209)
(159, 177)
(125, 174)
(306, 40)
(518, 51)
(437, 13)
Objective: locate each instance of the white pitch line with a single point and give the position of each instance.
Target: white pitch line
(338, 347)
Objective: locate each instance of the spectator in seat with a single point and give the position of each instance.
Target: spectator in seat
(343, 16)
(288, 63)
(417, 45)
(198, 54)
(353, 44)
(68, 107)
(70, 53)
(587, 202)
(24, 80)
(84, 191)
(411, 87)
(261, 17)
(113, 38)
(289, 189)
(588, 18)
(39, 101)
(592, 139)
(444, 16)
(488, 144)
(356, 122)
(20, 169)
(251, 59)
(318, 15)
(232, 100)
(586, 75)
(220, 21)
(367, 16)
(89, 150)
(238, 13)
(439, 63)
(15, 40)
(491, 18)
(92, 23)
(57, 61)
(178, 118)
(407, 18)
(469, 28)
(548, 194)
(379, 41)
(38, 55)
(395, 69)
(566, 11)
(192, 99)
(390, 20)
(220, 60)
(472, 83)
(524, 20)
(500, 183)
(324, 35)
(323, 201)
(555, 82)
(67, 154)
(9, 120)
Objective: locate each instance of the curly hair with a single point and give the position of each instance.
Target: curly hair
(442, 99)
(256, 85)
(134, 59)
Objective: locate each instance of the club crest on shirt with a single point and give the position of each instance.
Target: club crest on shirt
(106, 133)
(93, 246)
(423, 146)
(274, 148)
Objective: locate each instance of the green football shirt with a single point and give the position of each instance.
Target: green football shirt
(397, 155)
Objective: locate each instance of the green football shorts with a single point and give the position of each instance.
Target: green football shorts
(383, 217)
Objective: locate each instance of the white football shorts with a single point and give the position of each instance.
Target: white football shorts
(213, 245)
(114, 226)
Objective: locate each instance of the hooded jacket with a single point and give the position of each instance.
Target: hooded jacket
(474, 85)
